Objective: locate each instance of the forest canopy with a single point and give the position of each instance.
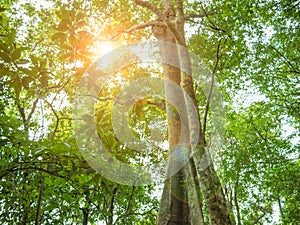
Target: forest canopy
(247, 56)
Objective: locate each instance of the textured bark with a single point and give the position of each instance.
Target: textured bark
(194, 195)
(209, 181)
(181, 202)
(214, 197)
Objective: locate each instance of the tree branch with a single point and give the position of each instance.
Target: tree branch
(22, 113)
(259, 218)
(138, 27)
(169, 24)
(287, 61)
(213, 25)
(11, 170)
(199, 16)
(151, 7)
(32, 109)
(85, 213)
(126, 213)
(99, 99)
(236, 202)
(161, 105)
(56, 116)
(211, 88)
(111, 206)
(179, 9)
(143, 25)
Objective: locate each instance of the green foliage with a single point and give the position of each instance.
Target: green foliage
(258, 56)
(43, 177)
(44, 51)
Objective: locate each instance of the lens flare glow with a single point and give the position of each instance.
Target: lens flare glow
(103, 48)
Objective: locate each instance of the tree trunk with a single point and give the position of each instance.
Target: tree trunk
(111, 206)
(85, 218)
(185, 182)
(173, 206)
(210, 183)
(181, 202)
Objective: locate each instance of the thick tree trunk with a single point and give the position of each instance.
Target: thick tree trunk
(214, 197)
(210, 183)
(181, 202)
(173, 206)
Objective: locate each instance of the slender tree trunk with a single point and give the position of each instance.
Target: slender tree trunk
(111, 206)
(38, 210)
(237, 207)
(280, 208)
(85, 218)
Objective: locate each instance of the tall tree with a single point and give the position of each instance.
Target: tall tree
(169, 27)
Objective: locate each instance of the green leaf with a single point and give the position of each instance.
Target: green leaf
(11, 37)
(3, 46)
(81, 23)
(67, 197)
(17, 86)
(23, 61)
(63, 26)
(27, 71)
(53, 205)
(59, 36)
(5, 57)
(74, 167)
(34, 60)
(4, 71)
(25, 82)
(16, 54)
(44, 80)
(2, 9)
(43, 63)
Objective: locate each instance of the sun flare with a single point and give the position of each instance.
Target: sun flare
(103, 48)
